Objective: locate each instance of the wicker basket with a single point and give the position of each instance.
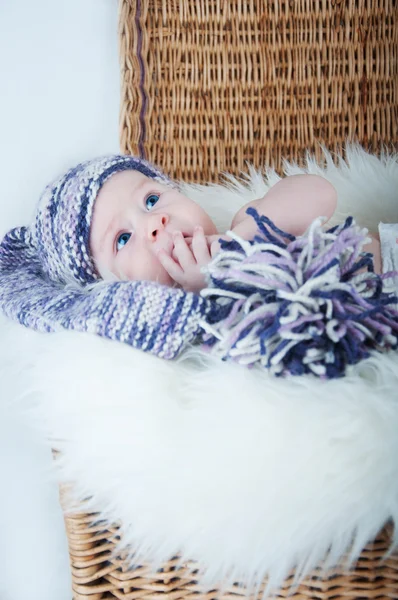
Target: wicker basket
(97, 575)
(206, 86)
(210, 84)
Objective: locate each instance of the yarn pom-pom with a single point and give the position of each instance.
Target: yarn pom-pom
(310, 304)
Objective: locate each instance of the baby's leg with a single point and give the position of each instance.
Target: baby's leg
(292, 204)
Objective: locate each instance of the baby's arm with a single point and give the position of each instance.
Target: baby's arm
(292, 204)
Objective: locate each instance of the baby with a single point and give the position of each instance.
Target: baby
(144, 229)
(109, 230)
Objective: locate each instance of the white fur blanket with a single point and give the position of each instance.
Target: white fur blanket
(247, 474)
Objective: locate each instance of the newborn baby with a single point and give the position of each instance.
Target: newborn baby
(120, 220)
(145, 230)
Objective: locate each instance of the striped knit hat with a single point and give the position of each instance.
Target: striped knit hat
(45, 269)
(61, 229)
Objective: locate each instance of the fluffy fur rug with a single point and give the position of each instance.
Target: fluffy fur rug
(247, 474)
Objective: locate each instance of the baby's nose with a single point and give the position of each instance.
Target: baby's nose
(156, 224)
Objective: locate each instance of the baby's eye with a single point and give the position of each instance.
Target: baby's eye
(122, 240)
(151, 200)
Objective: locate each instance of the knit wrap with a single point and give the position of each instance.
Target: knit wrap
(151, 317)
(48, 280)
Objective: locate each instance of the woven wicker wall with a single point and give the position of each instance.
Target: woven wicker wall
(210, 84)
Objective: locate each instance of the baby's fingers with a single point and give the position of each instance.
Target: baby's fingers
(214, 248)
(200, 247)
(172, 268)
(182, 251)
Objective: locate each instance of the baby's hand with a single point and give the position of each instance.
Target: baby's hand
(212, 242)
(191, 258)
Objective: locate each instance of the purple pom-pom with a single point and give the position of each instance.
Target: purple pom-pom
(310, 304)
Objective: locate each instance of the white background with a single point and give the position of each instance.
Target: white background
(59, 104)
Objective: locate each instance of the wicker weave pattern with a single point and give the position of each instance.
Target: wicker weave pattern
(210, 84)
(99, 576)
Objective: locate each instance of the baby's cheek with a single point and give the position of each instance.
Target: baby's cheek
(126, 269)
(209, 227)
(145, 268)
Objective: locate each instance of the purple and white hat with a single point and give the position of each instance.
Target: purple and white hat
(61, 229)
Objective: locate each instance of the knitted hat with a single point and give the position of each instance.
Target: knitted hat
(38, 263)
(61, 229)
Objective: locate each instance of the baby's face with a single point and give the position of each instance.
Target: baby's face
(134, 217)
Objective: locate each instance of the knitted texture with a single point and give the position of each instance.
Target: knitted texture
(61, 229)
(310, 304)
(45, 270)
(145, 315)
